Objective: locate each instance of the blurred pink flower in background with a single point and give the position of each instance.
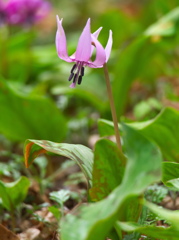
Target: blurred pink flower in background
(26, 12)
(2, 12)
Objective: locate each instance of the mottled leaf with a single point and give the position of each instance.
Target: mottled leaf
(93, 222)
(82, 155)
(108, 169)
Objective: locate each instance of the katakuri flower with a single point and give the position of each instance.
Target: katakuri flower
(82, 57)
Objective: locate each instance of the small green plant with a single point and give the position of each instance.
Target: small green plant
(12, 194)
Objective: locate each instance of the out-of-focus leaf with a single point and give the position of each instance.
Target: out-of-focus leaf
(14, 193)
(108, 169)
(55, 211)
(166, 26)
(60, 196)
(93, 222)
(82, 155)
(172, 217)
(105, 127)
(83, 94)
(126, 70)
(160, 232)
(170, 176)
(25, 117)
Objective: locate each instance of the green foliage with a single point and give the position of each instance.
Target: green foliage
(82, 155)
(96, 220)
(108, 169)
(60, 197)
(162, 130)
(12, 194)
(170, 175)
(27, 117)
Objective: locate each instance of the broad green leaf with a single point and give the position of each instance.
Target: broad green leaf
(163, 130)
(160, 232)
(93, 222)
(82, 155)
(170, 176)
(25, 117)
(105, 127)
(108, 169)
(14, 193)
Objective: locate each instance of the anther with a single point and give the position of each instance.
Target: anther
(82, 71)
(71, 76)
(74, 79)
(79, 79)
(73, 68)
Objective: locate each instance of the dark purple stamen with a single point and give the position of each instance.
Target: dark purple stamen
(75, 77)
(71, 76)
(73, 68)
(77, 73)
(79, 79)
(82, 71)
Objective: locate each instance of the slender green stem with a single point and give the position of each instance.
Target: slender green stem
(113, 110)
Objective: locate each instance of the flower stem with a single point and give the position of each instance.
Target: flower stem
(113, 110)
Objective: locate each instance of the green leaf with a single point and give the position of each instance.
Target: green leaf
(172, 217)
(55, 211)
(60, 196)
(93, 222)
(167, 233)
(170, 176)
(82, 155)
(14, 193)
(165, 26)
(105, 127)
(126, 70)
(163, 130)
(108, 169)
(81, 93)
(25, 117)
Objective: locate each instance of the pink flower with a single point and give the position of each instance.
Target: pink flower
(85, 47)
(3, 16)
(26, 12)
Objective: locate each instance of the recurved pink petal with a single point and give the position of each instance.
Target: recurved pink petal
(100, 54)
(61, 42)
(83, 51)
(96, 34)
(108, 46)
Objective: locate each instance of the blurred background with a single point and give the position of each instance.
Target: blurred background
(35, 99)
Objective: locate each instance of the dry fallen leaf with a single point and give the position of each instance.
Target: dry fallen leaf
(7, 234)
(30, 234)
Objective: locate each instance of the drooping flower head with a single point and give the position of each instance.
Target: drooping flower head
(26, 12)
(82, 57)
